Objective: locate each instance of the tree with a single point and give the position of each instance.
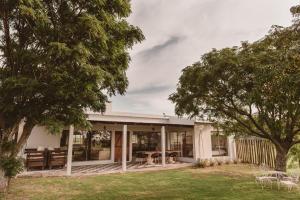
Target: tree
(59, 58)
(294, 155)
(253, 89)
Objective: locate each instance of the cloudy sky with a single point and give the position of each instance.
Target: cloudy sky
(178, 32)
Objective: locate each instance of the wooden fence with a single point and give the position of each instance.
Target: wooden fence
(256, 151)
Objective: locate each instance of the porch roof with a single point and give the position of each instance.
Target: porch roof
(133, 118)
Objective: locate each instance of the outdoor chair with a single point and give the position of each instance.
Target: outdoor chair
(57, 158)
(265, 180)
(173, 156)
(141, 158)
(35, 159)
(156, 157)
(290, 182)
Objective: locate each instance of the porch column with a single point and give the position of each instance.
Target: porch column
(124, 147)
(70, 150)
(163, 146)
(130, 146)
(113, 146)
(231, 147)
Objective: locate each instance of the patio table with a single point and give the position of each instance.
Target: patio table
(149, 156)
(150, 153)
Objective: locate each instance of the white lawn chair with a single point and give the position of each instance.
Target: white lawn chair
(290, 182)
(265, 180)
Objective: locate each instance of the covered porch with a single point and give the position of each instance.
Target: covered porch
(124, 143)
(120, 141)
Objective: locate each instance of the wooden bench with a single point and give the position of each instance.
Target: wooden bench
(57, 158)
(35, 159)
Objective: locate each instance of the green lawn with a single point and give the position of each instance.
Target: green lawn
(224, 182)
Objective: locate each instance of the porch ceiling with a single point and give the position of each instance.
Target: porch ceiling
(141, 123)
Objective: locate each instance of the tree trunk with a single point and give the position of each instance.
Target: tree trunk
(24, 137)
(3, 182)
(281, 159)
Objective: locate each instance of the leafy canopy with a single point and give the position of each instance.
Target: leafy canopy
(60, 57)
(253, 89)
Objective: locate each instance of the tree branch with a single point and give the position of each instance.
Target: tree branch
(24, 136)
(244, 124)
(7, 39)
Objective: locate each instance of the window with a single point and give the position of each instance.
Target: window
(175, 141)
(219, 145)
(145, 141)
(89, 145)
(100, 145)
(77, 139)
(187, 144)
(182, 141)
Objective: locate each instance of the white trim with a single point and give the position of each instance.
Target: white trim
(124, 148)
(130, 145)
(70, 150)
(139, 118)
(163, 146)
(112, 156)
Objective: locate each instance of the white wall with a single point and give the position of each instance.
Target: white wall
(202, 141)
(203, 145)
(41, 137)
(205, 149)
(231, 148)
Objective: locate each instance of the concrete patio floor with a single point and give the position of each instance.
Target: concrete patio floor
(101, 169)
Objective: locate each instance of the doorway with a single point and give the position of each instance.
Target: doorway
(118, 146)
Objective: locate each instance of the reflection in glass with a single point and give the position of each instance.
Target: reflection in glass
(89, 145)
(219, 145)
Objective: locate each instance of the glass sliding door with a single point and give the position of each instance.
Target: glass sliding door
(187, 144)
(175, 141)
(145, 141)
(183, 142)
(100, 148)
(89, 145)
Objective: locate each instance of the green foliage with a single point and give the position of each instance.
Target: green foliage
(294, 156)
(203, 163)
(59, 58)
(253, 89)
(11, 166)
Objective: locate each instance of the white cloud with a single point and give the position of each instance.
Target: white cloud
(178, 32)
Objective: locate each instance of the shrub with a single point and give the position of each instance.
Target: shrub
(206, 163)
(227, 161)
(11, 166)
(203, 163)
(237, 161)
(213, 162)
(220, 162)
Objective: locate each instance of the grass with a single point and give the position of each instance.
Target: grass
(223, 182)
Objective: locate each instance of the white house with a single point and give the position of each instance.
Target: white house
(119, 137)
